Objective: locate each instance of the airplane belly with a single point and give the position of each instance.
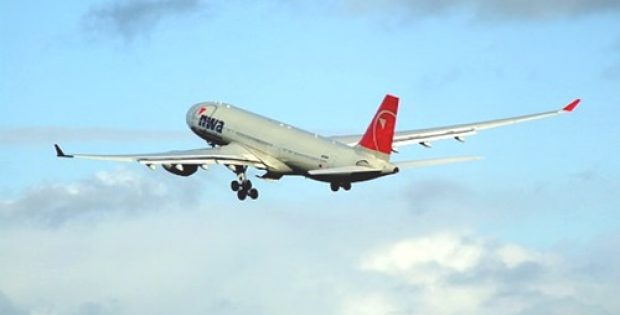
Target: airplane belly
(350, 178)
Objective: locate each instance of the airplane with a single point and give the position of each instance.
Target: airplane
(240, 139)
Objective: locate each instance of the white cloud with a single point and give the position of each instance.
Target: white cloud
(367, 305)
(428, 263)
(492, 9)
(108, 193)
(137, 17)
(513, 255)
(459, 273)
(128, 243)
(7, 307)
(440, 251)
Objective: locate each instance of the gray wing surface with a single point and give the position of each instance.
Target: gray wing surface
(232, 154)
(458, 132)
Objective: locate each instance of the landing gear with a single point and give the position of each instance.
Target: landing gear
(241, 194)
(346, 186)
(253, 193)
(242, 185)
(247, 185)
(244, 189)
(234, 185)
(336, 186)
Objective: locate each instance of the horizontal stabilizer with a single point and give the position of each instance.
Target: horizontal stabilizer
(343, 170)
(433, 162)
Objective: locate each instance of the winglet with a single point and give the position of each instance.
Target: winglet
(60, 153)
(570, 107)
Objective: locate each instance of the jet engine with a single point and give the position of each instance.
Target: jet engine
(181, 169)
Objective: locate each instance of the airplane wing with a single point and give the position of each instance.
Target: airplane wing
(232, 154)
(458, 132)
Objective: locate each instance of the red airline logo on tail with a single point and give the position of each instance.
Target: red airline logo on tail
(380, 132)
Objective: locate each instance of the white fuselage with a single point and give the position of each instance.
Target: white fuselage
(284, 149)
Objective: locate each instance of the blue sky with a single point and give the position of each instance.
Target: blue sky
(118, 76)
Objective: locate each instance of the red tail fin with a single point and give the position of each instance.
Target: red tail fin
(380, 132)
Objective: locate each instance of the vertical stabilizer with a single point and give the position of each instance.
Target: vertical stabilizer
(380, 133)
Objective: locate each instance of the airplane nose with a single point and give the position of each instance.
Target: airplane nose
(191, 113)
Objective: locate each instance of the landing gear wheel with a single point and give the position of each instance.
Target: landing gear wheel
(242, 194)
(243, 186)
(253, 193)
(247, 185)
(346, 186)
(234, 185)
(334, 186)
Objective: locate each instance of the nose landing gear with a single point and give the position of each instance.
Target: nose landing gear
(242, 185)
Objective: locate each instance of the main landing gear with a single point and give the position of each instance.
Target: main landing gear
(242, 185)
(336, 186)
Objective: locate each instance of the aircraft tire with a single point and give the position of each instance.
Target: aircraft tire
(346, 186)
(253, 193)
(242, 194)
(247, 185)
(334, 187)
(234, 185)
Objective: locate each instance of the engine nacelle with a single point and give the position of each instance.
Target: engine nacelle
(181, 169)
